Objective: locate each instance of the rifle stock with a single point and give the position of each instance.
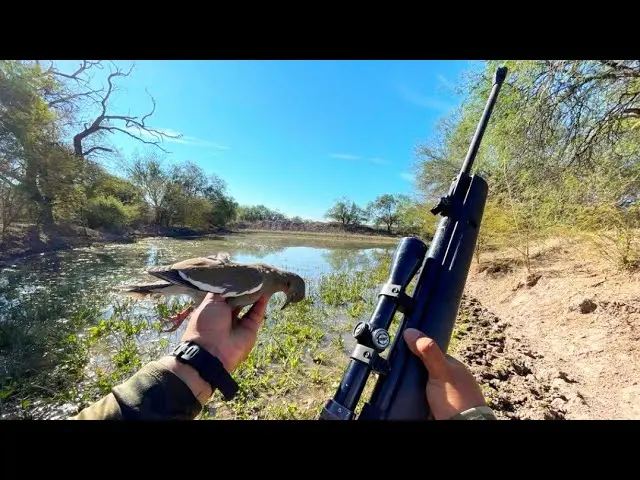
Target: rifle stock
(399, 392)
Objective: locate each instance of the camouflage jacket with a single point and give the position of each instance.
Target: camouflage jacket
(152, 393)
(156, 393)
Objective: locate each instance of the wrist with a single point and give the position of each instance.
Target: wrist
(212, 349)
(189, 375)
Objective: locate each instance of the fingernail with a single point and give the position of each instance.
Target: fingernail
(411, 333)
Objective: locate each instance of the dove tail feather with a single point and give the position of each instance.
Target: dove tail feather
(142, 290)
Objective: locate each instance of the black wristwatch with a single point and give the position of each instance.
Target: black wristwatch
(209, 367)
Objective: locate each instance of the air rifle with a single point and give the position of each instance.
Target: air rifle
(432, 307)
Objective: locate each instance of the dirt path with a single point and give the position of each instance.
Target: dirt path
(504, 367)
(590, 354)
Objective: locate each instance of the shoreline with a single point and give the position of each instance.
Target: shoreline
(33, 242)
(302, 233)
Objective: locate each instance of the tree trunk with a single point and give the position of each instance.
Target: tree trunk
(45, 213)
(44, 204)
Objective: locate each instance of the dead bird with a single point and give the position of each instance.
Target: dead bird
(241, 284)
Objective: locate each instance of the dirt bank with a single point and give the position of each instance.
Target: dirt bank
(577, 321)
(25, 240)
(312, 227)
(506, 367)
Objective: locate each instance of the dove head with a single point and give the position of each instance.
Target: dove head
(294, 288)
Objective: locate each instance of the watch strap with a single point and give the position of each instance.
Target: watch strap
(208, 367)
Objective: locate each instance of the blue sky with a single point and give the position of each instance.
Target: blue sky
(294, 135)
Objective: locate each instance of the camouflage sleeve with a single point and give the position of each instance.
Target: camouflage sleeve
(153, 393)
(476, 413)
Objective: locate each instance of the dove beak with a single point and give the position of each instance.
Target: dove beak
(287, 301)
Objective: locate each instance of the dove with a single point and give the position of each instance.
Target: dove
(240, 284)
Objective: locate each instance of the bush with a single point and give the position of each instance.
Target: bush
(107, 212)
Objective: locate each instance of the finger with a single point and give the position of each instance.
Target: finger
(210, 300)
(254, 317)
(235, 316)
(429, 352)
(213, 298)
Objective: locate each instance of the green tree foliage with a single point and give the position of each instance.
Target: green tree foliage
(347, 212)
(386, 209)
(51, 123)
(414, 218)
(562, 152)
(28, 143)
(107, 212)
(181, 194)
(257, 213)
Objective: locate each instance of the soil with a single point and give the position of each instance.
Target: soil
(25, 240)
(571, 337)
(505, 367)
(313, 227)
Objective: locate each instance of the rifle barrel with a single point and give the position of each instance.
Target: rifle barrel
(499, 77)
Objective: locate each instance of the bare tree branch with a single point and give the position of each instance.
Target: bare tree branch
(71, 97)
(93, 149)
(107, 123)
(84, 66)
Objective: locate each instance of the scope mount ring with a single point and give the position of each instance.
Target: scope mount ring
(405, 302)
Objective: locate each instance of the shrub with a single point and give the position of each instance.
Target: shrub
(107, 212)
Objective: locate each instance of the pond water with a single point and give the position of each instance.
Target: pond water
(75, 275)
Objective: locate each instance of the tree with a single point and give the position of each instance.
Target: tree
(109, 185)
(146, 171)
(12, 205)
(224, 209)
(385, 209)
(86, 109)
(28, 144)
(40, 110)
(414, 218)
(258, 213)
(347, 212)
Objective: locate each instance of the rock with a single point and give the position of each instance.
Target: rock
(563, 376)
(532, 279)
(586, 305)
(558, 404)
(529, 281)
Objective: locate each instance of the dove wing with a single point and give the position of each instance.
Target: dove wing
(213, 275)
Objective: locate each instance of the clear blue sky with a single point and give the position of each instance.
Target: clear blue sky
(294, 135)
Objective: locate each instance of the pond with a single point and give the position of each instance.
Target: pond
(39, 296)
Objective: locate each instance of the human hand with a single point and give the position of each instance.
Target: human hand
(451, 388)
(215, 326)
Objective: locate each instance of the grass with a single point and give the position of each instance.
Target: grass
(292, 371)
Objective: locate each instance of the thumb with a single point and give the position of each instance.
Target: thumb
(429, 352)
